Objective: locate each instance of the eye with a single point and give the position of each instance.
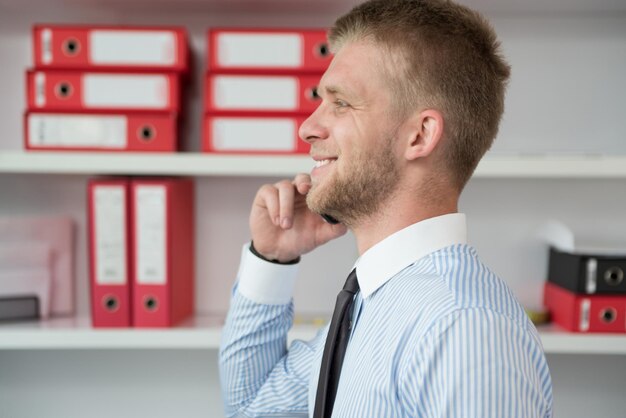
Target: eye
(340, 103)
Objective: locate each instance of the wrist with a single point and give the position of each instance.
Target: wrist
(264, 282)
(254, 251)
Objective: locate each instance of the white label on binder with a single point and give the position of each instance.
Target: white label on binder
(150, 218)
(62, 130)
(585, 313)
(130, 91)
(132, 47)
(110, 234)
(256, 93)
(253, 134)
(46, 46)
(259, 50)
(40, 89)
(592, 276)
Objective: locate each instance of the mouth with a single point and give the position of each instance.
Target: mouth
(322, 163)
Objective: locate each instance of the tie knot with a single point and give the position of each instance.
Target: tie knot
(352, 284)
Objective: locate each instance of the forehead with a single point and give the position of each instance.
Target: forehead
(358, 68)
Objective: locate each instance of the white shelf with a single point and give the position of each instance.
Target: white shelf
(200, 332)
(205, 333)
(137, 163)
(198, 164)
(552, 166)
(77, 333)
(557, 341)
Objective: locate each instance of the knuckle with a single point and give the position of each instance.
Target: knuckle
(301, 176)
(283, 184)
(266, 189)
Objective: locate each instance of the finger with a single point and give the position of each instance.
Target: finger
(302, 182)
(286, 194)
(302, 178)
(303, 188)
(267, 197)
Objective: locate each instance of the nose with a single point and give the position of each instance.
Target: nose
(313, 128)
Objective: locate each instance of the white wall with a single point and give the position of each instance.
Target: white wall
(106, 384)
(174, 383)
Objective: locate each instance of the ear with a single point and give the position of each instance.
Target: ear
(426, 130)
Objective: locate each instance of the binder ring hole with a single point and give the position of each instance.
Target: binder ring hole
(608, 315)
(322, 50)
(146, 133)
(614, 276)
(63, 90)
(71, 47)
(313, 93)
(150, 302)
(111, 303)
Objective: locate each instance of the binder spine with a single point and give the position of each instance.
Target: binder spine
(163, 225)
(251, 133)
(151, 275)
(121, 48)
(227, 93)
(585, 313)
(587, 274)
(268, 51)
(100, 131)
(92, 91)
(109, 244)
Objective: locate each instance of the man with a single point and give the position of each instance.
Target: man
(410, 103)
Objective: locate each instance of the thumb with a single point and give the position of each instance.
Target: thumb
(329, 232)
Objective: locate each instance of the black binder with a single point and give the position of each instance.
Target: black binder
(19, 308)
(588, 273)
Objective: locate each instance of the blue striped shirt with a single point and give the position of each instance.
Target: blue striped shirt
(436, 334)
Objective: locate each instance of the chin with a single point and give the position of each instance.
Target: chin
(313, 197)
(319, 202)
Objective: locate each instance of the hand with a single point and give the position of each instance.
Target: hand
(282, 226)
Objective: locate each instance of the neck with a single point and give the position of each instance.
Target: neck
(397, 214)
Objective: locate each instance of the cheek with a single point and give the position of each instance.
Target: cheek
(350, 134)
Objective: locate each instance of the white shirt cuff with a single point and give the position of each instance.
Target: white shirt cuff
(265, 282)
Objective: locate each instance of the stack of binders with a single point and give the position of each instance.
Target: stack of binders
(105, 88)
(141, 250)
(586, 292)
(259, 87)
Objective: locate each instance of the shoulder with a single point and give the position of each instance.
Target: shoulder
(462, 304)
(449, 280)
(473, 285)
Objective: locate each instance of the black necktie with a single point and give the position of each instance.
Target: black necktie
(335, 348)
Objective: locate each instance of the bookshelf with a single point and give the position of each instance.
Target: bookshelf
(199, 164)
(204, 333)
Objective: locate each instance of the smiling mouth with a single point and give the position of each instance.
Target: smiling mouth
(322, 163)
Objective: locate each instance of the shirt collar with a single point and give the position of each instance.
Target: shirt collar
(401, 249)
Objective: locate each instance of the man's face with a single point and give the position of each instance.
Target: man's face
(352, 135)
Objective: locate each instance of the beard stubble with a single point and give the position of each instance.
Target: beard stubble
(367, 181)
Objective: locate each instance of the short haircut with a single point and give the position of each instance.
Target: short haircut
(452, 63)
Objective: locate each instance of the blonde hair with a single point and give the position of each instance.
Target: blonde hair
(450, 61)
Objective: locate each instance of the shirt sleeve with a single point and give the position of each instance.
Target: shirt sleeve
(478, 364)
(259, 375)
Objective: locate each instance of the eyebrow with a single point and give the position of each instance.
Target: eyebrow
(334, 90)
